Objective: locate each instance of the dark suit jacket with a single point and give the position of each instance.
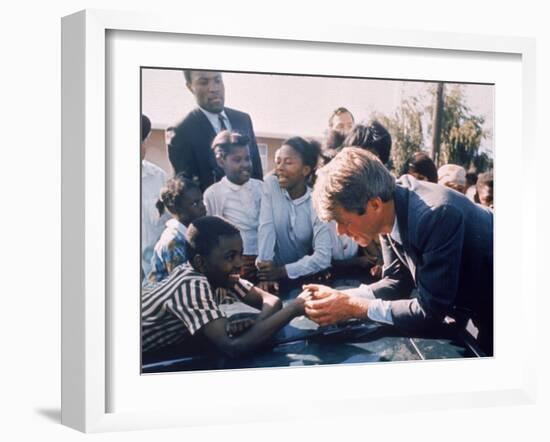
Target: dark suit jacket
(447, 254)
(190, 149)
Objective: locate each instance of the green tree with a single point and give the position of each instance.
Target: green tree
(461, 130)
(405, 127)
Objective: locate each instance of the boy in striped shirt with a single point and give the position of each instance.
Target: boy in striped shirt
(185, 307)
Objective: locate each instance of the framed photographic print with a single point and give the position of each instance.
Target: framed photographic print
(391, 117)
(118, 67)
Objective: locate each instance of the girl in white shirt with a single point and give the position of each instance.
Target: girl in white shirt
(237, 196)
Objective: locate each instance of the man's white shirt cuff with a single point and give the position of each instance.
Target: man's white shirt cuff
(379, 310)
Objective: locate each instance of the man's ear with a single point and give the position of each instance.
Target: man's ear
(306, 170)
(190, 87)
(199, 263)
(375, 204)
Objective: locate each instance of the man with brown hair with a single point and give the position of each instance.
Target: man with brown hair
(433, 239)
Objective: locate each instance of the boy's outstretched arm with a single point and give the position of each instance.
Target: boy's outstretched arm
(263, 301)
(260, 332)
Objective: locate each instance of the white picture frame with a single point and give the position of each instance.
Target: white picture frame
(86, 177)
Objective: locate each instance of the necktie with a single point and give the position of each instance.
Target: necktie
(222, 122)
(396, 249)
(402, 256)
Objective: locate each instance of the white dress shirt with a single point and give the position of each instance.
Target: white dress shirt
(215, 120)
(239, 204)
(290, 233)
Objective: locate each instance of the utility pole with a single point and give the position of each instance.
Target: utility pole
(437, 115)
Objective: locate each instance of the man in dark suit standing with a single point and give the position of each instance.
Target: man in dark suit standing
(434, 239)
(190, 151)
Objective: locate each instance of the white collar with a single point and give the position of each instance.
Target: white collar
(214, 118)
(395, 235)
(299, 200)
(233, 186)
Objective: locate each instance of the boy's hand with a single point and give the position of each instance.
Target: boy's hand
(301, 300)
(237, 327)
(305, 295)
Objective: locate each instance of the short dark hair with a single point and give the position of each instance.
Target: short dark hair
(204, 233)
(188, 73)
(471, 178)
(173, 192)
(309, 150)
(145, 127)
(373, 137)
(420, 162)
(226, 140)
(339, 111)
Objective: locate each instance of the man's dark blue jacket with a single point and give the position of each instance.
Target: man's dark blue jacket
(446, 253)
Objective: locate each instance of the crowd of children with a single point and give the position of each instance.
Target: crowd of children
(246, 239)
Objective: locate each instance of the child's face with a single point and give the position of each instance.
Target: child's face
(224, 261)
(192, 206)
(237, 165)
(289, 168)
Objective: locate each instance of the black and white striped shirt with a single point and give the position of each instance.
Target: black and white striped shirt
(182, 304)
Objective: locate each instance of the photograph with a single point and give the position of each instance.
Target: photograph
(302, 220)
